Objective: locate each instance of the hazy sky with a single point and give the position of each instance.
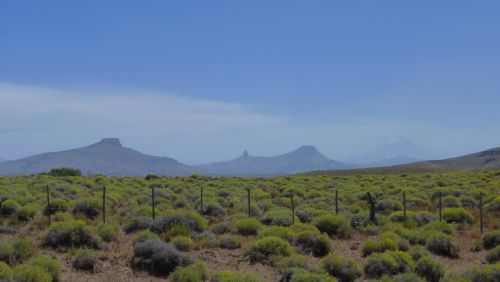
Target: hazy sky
(203, 80)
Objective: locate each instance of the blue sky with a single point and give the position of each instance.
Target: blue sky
(203, 80)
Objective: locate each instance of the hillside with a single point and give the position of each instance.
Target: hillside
(482, 160)
(106, 157)
(305, 158)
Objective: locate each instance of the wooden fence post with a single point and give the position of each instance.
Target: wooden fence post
(481, 226)
(336, 201)
(104, 204)
(153, 201)
(372, 207)
(404, 205)
(48, 204)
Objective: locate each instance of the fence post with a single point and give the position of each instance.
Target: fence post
(372, 207)
(104, 204)
(440, 206)
(336, 201)
(201, 197)
(48, 204)
(481, 212)
(153, 201)
(404, 205)
(248, 197)
(293, 208)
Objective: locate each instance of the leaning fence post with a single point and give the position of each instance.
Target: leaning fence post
(48, 204)
(104, 204)
(248, 199)
(481, 212)
(372, 207)
(404, 205)
(153, 201)
(201, 200)
(336, 201)
(440, 206)
(293, 208)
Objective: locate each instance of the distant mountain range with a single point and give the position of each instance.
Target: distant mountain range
(109, 157)
(395, 152)
(2, 160)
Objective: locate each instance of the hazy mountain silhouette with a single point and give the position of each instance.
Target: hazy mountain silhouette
(106, 157)
(305, 158)
(395, 152)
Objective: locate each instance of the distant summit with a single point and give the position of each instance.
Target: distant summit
(305, 158)
(394, 152)
(110, 142)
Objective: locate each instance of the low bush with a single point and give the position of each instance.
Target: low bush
(442, 244)
(303, 275)
(70, 234)
(388, 263)
(230, 242)
(186, 218)
(65, 171)
(90, 207)
(264, 249)
(417, 253)
(5, 272)
(228, 276)
(16, 250)
(28, 212)
(483, 273)
(31, 273)
(182, 243)
(222, 228)
(305, 216)
(278, 217)
(388, 206)
(378, 246)
(56, 205)
(145, 235)
(158, 257)
(138, 223)
(9, 207)
(344, 269)
(333, 225)
(246, 227)
(431, 270)
(493, 255)
(52, 266)
(310, 242)
(196, 272)
(403, 277)
(494, 205)
(457, 215)
(86, 260)
(108, 232)
(282, 232)
(491, 239)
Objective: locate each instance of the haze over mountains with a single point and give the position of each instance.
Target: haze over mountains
(109, 157)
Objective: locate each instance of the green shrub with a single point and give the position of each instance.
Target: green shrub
(333, 225)
(65, 171)
(282, 232)
(70, 234)
(246, 227)
(182, 243)
(491, 239)
(108, 232)
(31, 273)
(403, 277)
(86, 260)
(268, 247)
(28, 212)
(16, 250)
(388, 263)
(431, 270)
(404, 261)
(388, 206)
(90, 207)
(158, 257)
(228, 276)
(457, 215)
(52, 266)
(417, 253)
(378, 246)
(230, 242)
(344, 269)
(484, 273)
(302, 275)
(493, 255)
(196, 272)
(277, 217)
(56, 205)
(145, 235)
(5, 272)
(442, 244)
(186, 218)
(311, 242)
(10, 207)
(138, 224)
